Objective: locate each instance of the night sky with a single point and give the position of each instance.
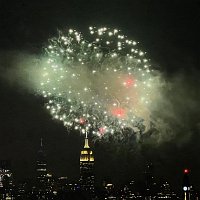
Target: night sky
(168, 31)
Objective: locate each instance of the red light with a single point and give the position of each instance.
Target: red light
(102, 130)
(186, 171)
(128, 82)
(118, 112)
(82, 121)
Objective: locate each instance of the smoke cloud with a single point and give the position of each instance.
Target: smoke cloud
(19, 69)
(175, 115)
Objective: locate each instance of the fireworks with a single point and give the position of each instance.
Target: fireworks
(101, 84)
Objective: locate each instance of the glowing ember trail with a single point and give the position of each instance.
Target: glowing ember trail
(102, 84)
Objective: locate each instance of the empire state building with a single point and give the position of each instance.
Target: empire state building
(87, 169)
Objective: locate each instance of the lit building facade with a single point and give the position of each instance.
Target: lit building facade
(186, 185)
(166, 192)
(41, 167)
(87, 169)
(150, 184)
(43, 183)
(6, 180)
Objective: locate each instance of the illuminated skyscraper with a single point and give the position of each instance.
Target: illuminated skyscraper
(150, 184)
(6, 180)
(186, 185)
(166, 192)
(87, 169)
(41, 165)
(43, 182)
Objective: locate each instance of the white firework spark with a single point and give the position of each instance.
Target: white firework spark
(102, 84)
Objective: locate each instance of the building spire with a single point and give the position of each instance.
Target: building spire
(87, 168)
(41, 142)
(86, 141)
(86, 134)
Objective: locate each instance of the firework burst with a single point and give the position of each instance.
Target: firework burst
(103, 84)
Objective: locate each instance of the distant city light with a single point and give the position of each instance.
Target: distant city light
(185, 188)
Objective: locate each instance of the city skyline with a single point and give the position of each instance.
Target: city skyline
(46, 185)
(168, 31)
(86, 155)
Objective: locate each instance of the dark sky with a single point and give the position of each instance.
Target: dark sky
(168, 30)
